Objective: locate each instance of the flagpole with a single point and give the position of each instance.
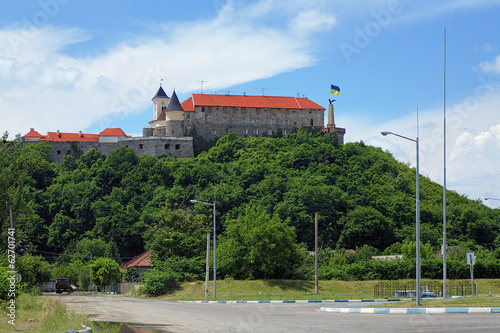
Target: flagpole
(444, 171)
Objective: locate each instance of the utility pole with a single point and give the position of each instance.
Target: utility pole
(316, 253)
(207, 271)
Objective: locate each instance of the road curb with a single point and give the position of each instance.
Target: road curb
(411, 310)
(296, 301)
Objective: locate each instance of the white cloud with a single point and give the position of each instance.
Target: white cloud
(491, 66)
(311, 21)
(472, 140)
(45, 88)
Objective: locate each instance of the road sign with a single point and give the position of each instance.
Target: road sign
(471, 258)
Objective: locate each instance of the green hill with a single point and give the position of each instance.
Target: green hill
(114, 205)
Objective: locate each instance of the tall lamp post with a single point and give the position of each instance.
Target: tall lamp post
(215, 255)
(384, 133)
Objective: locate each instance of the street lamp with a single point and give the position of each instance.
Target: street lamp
(215, 255)
(384, 133)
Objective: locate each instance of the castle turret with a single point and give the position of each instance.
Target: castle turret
(174, 117)
(160, 102)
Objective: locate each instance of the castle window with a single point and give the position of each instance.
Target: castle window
(257, 121)
(58, 152)
(202, 109)
(224, 120)
(284, 132)
(256, 131)
(177, 146)
(141, 146)
(272, 121)
(269, 132)
(312, 122)
(214, 132)
(188, 122)
(209, 119)
(287, 122)
(242, 120)
(246, 130)
(167, 145)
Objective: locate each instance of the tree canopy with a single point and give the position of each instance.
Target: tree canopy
(266, 192)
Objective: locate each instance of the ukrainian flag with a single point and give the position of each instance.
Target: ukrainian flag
(335, 90)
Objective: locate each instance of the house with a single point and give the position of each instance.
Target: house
(142, 263)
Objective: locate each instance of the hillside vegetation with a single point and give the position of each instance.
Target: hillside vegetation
(266, 192)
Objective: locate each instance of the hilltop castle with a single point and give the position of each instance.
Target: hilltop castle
(208, 115)
(213, 116)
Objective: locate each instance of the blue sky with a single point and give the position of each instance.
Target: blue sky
(86, 65)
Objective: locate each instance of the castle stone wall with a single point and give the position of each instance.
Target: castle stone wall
(153, 146)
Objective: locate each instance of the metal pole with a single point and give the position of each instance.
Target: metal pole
(215, 259)
(418, 228)
(444, 173)
(417, 209)
(207, 272)
(316, 253)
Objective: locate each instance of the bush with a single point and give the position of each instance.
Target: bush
(160, 282)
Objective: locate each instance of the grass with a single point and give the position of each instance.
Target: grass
(474, 302)
(41, 314)
(294, 290)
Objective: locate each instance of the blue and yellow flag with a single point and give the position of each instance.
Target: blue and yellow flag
(335, 90)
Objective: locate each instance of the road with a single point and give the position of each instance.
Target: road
(275, 317)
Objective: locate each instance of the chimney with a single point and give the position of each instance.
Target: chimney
(81, 134)
(32, 129)
(58, 133)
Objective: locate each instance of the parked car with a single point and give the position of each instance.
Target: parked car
(63, 284)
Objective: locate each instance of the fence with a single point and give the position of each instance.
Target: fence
(388, 289)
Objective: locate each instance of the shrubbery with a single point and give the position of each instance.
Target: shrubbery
(160, 282)
(405, 269)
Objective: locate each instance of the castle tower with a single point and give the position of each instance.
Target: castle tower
(160, 102)
(174, 117)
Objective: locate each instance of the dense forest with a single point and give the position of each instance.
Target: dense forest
(266, 192)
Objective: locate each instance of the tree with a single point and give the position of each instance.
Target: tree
(104, 271)
(258, 246)
(33, 269)
(365, 225)
(178, 242)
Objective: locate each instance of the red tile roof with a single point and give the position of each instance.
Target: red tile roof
(244, 101)
(113, 132)
(142, 260)
(33, 134)
(65, 137)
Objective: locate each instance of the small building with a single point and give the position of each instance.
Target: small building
(142, 263)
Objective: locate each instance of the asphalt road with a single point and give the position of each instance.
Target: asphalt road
(287, 317)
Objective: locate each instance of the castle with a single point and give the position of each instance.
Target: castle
(210, 116)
